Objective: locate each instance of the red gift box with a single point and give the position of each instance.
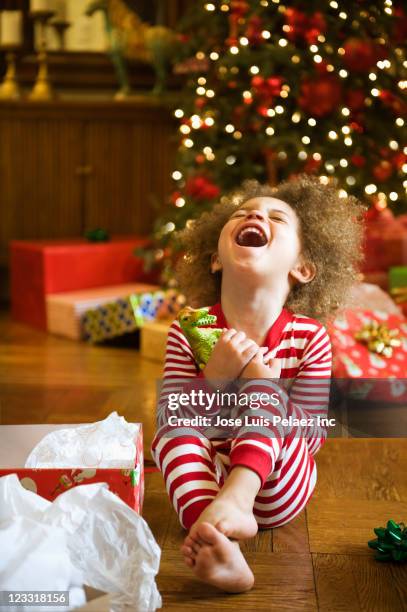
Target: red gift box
(18, 440)
(385, 241)
(41, 267)
(352, 359)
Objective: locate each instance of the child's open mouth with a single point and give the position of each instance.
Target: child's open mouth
(251, 236)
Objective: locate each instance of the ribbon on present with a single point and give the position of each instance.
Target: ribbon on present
(145, 306)
(97, 235)
(378, 338)
(399, 294)
(391, 542)
(156, 305)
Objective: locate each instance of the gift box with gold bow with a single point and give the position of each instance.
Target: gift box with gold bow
(371, 345)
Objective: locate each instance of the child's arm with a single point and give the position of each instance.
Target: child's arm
(309, 393)
(232, 352)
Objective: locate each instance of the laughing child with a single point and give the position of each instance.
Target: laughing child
(272, 264)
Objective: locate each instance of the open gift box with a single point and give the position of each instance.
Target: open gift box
(17, 441)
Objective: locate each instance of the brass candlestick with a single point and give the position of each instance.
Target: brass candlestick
(60, 26)
(9, 89)
(42, 89)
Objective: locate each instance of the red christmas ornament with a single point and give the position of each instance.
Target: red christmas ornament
(262, 110)
(274, 84)
(357, 127)
(303, 26)
(174, 196)
(383, 170)
(320, 96)
(297, 22)
(200, 158)
(201, 188)
(257, 82)
(316, 25)
(312, 165)
(358, 160)
(321, 68)
(200, 102)
(239, 8)
(254, 30)
(399, 160)
(385, 152)
(360, 54)
(400, 26)
(398, 106)
(267, 89)
(355, 99)
(231, 41)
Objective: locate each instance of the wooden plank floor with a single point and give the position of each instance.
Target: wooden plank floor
(319, 561)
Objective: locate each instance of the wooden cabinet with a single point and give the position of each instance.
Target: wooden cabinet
(66, 167)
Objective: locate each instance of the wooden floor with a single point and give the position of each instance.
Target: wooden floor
(319, 561)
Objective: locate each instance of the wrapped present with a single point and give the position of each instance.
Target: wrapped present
(158, 305)
(398, 286)
(75, 314)
(368, 296)
(398, 277)
(49, 482)
(110, 320)
(154, 339)
(385, 241)
(371, 345)
(42, 267)
(129, 313)
(381, 279)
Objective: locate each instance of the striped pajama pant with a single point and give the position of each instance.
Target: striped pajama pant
(195, 467)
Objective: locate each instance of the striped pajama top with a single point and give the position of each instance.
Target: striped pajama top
(300, 343)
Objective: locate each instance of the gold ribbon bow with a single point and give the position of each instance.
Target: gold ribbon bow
(379, 338)
(399, 294)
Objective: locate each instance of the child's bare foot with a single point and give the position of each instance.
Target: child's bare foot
(231, 515)
(216, 560)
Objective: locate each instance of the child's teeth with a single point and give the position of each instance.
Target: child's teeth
(251, 229)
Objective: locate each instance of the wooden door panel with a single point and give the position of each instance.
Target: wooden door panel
(40, 191)
(129, 167)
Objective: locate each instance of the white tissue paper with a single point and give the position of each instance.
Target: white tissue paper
(34, 555)
(105, 444)
(88, 535)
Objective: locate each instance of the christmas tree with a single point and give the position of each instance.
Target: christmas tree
(274, 88)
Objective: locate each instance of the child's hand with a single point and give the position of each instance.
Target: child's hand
(262, 366)
(231, 354)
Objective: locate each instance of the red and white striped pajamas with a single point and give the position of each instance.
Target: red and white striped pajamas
(194, 466)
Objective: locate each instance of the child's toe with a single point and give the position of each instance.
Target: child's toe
(187, 551)
(194, 544)
(188, 561)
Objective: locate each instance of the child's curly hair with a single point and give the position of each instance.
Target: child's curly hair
(330, 233)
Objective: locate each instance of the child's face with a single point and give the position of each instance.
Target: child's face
(261, 236)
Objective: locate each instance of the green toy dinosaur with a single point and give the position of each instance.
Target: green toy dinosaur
(202, 340)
